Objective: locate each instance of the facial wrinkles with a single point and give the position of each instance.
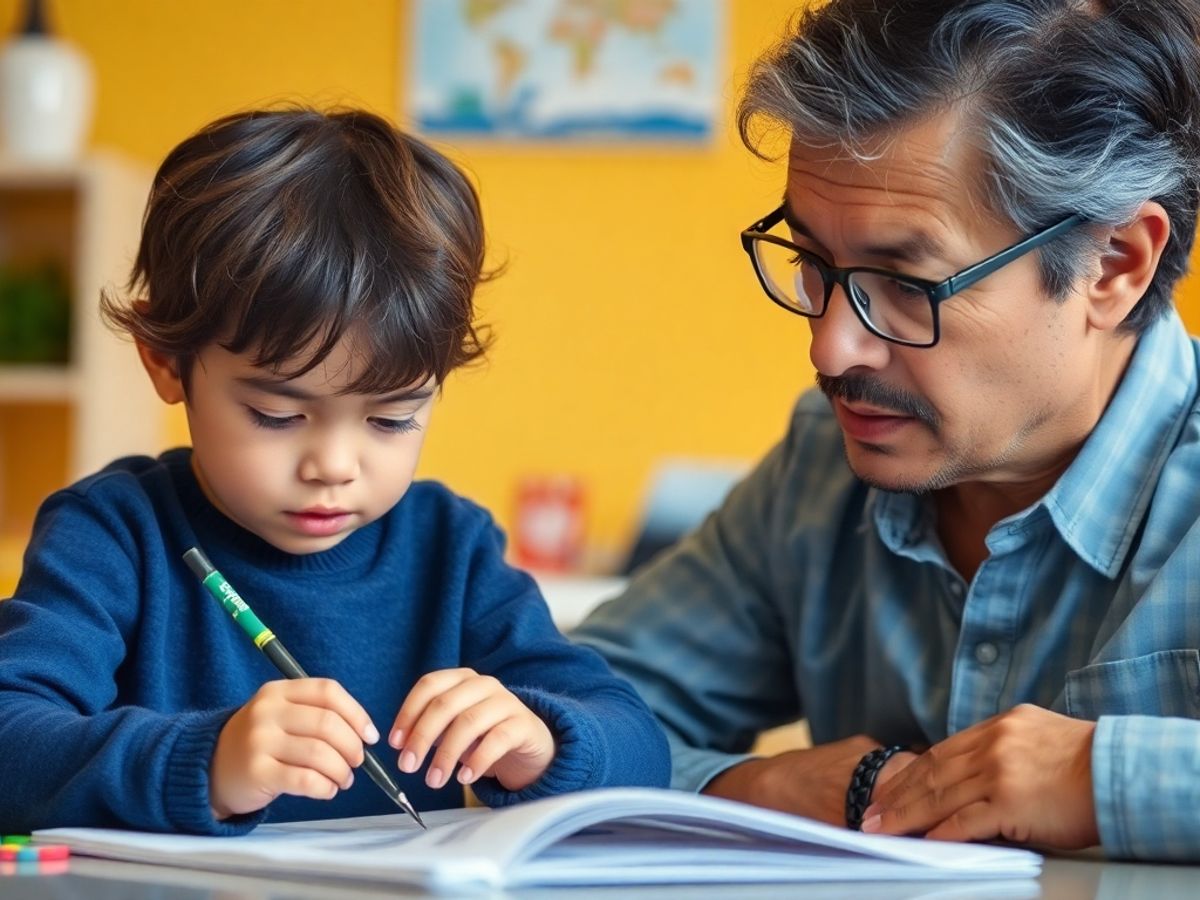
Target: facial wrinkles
(870, 206)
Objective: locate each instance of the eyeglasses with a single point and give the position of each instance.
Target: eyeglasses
(898, 308)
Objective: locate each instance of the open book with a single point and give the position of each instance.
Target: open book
(601, 837)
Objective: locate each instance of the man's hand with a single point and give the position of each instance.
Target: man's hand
(1024, 775)
(302, 737)
(476, 722)
(809, 783)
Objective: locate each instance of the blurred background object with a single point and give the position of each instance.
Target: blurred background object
(682, 493)
(45, 92)
(548, 532)
(35, 314)
(567, 70)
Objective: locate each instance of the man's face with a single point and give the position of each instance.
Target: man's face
(295, 461)
(1004, 396)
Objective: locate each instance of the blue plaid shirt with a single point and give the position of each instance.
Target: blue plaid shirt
(809, 594)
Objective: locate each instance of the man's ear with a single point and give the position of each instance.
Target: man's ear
(163, 372)
(1127, 265)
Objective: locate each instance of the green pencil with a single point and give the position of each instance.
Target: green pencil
(266, 641)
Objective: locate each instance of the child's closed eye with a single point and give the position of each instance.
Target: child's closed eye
(262, 420)
(395, 426)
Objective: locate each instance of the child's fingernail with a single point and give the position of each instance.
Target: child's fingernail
(349, 782)
(435, 778)
(408, 761)
(396, 738)
(371, 734)
(871, 825)
(465, 775)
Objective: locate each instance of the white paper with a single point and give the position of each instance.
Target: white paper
(603, 837)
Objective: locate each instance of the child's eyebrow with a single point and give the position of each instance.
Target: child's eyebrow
(288, 389)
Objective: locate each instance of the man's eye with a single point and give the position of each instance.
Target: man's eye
(262, 420)
(905, 289)
(395, 426)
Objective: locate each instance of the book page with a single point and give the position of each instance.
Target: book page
(611, 836)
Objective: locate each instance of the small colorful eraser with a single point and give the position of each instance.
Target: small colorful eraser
(51, 852)
(27, 854)
(8, 854)
(15, 839)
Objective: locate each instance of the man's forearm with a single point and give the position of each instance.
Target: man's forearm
(808, 782)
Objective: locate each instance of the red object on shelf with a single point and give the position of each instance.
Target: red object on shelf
(549, 530)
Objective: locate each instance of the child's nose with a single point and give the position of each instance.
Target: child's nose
(330, 460)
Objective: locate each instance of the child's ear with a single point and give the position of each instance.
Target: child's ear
(163, 372)
(1127, 265)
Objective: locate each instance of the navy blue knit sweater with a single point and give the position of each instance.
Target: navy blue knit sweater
(118, 671)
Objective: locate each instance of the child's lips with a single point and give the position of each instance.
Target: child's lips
(319, 521)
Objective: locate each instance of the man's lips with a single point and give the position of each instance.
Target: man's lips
(868, 424)
(319, 521)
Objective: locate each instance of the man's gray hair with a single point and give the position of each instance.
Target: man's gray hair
(1077, 106)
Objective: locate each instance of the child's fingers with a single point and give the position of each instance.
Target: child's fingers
(300, 781)
(439, 712)
(506, 736)
(462, 735)
(328, 694)
(427, 687)
(314, 755)
(326, 726)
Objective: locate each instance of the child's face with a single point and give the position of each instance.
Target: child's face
(295, 461)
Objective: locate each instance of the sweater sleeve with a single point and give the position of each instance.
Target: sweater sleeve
(74, 756)
(605, 735)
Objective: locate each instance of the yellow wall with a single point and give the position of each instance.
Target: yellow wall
(629, 323)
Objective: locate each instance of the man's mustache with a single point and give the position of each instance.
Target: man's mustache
(867, 389)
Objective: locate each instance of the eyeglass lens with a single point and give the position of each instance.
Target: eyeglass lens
(892, 307)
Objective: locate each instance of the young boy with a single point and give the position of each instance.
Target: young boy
(304, 286)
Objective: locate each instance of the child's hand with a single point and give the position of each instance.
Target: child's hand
(299, 737)
(474, 720)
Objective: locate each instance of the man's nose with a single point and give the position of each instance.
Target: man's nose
(330, 458)
(841, 341)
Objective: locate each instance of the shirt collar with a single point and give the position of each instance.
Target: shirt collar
(1099, 502)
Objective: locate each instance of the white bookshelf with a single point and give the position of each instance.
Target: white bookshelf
(86, 216)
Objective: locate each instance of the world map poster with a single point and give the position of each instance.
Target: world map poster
(566, 69)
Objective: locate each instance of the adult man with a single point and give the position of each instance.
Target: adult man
(981, 542)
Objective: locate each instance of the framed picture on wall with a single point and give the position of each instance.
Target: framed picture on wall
(566, 70)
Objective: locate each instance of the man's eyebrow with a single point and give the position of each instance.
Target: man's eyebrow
(283, 388)
(918, 246)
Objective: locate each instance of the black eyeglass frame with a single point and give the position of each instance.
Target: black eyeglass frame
(938, 292)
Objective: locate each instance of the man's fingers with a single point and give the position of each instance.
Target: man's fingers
(977, 821)
(919, 810)
(932, 771)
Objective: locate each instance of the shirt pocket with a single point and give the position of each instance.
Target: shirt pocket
(1166, 683)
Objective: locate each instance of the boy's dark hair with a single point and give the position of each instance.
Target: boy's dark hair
(286, 230)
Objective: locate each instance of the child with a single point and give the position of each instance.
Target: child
(304, 286)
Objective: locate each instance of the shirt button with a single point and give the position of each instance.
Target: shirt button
(957, 590)
(986, 653)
